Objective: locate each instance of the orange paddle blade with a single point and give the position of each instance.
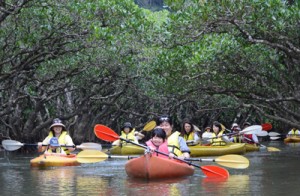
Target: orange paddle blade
(214, 171)
(105, 133)
(266, 126)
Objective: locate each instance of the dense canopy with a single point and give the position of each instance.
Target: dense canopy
(111, 61)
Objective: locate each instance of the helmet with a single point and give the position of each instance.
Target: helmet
(57, 122)
(54, 142)
(127, 125)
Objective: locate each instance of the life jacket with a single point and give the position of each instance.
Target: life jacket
(130, 136)
(238, 139)
(189, 136)
(173, 143)
(249, 140)
(295, 132)
(61, 141)
(218, 141)
(162, 148)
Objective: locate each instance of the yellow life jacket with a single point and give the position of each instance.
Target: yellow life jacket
(189, 136)
(218, 141)
(173, 143)
(130, 136)
(237, 139)
(295, 132)
(61, 141)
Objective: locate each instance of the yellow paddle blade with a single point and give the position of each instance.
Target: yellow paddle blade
(91, 156)
(273, 149)
(233, 161)
(149, 126)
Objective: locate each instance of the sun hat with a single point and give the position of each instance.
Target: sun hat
(54, 142)
(234, 125)
(127, 125)
(57, 122)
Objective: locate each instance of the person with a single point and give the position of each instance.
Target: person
(58, 131)
(189, 134)
(207, 133)
(158, 142)
(236, 138)
(219, 139)
(249, 138)
(129, 133)
(294, 132)
(176, 143)
(246, 124)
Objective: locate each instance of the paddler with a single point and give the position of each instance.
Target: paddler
(159, 143)
(294, 132)
(176, 143)
(189, 134)
(57, 130)
(219, 139)
(128, 133)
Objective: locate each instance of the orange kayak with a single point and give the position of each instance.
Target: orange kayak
(54, 160)
(153, 167)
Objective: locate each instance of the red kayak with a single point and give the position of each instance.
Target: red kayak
(153, 167)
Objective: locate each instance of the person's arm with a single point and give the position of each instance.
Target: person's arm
(226, 139)
(183, 148)
(139, 135)
(69, 142)
(42, 146)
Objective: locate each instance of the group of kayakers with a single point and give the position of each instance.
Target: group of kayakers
(163, 137)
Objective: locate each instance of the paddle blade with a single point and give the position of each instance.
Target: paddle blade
(266, 126)
(150, 126)
(274, 134)
(214, 171)
(11, 145)
(254, 129)
(105, 133)
(262, 133)
(273, 149)
(91, 156)
(233, 161)
(90, 146)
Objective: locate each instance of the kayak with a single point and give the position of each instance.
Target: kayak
(234, 148)
(153, 167)
(127, 149)
(292, 139)
(251, 147)
(54, 160)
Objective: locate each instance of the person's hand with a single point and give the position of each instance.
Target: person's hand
(171, 155)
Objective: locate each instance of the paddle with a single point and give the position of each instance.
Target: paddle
(93, 156)
(149, 126)
(232, 161)
(107, 134)
(11, 145)
(266, 126)
(270, 149)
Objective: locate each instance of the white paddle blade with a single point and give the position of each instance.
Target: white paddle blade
(90, 146)
(254, 129)
(262, 133)
(11, 145)
(274, 134)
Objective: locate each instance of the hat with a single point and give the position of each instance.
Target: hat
(207, 128)
(127, 125)
(246, 123)
(57, 122)
(234, 125)
(54, 142)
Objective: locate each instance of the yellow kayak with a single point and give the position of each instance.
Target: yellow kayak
(251, 147)
(127, 149)
(54, 160)
(292, 139)
(234, 148)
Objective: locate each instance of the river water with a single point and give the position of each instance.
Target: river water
(269, 173)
